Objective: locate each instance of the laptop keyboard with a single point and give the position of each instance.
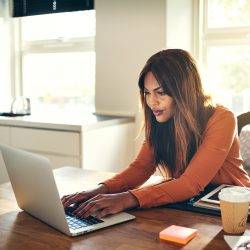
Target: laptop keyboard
(76, 223)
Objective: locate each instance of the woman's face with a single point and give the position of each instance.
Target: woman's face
(161, 104)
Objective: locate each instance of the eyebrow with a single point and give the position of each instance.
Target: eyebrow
(153, 89)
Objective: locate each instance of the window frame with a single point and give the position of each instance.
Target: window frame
(56, 45)
(208, 37)
(219, 36)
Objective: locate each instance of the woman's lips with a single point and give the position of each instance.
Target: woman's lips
(157, 112)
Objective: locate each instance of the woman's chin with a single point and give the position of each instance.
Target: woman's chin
(161, 119)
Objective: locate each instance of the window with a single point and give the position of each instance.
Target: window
(5, 81)
(226, 52)
(58, 59)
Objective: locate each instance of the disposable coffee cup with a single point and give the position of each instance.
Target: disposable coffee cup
(234, 205)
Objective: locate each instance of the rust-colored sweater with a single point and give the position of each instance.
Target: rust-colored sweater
(217, 160)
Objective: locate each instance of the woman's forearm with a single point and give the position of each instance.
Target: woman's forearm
(130, 201)
(102, 189)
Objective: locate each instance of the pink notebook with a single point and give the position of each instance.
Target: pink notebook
(178, 234)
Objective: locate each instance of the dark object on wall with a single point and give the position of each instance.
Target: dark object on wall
(20, 8)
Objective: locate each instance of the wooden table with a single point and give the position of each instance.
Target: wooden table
(19, 230)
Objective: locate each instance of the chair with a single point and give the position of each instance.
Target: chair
(243, 120)
(244, 136)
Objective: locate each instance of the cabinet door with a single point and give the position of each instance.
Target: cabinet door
(58, 161)
(108, 149)
(4, 139)
(3, 173)
(47, 141)
(5, 135)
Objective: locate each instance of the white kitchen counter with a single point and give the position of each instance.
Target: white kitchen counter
(57, 121)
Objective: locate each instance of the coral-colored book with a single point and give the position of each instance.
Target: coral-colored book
(178, 234)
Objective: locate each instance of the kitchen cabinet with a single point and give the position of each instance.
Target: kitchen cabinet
(109, 148)
(61, 147)
(5, 135)
(106, 146)
(4, 139)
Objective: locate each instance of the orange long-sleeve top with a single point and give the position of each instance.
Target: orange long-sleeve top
(216, 161)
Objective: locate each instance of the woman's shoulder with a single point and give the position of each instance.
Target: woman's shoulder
(222, 111)
(221, 116)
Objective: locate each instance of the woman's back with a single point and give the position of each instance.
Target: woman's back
(231, 171)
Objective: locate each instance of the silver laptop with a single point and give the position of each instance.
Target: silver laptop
(36, 193)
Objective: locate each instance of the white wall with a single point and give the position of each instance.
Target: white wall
(127, 33)
(179, 28)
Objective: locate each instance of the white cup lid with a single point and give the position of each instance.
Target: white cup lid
(235, 194)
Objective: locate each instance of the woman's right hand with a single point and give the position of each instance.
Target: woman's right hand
(80, 197)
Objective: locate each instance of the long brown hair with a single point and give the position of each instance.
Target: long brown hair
(175, 142)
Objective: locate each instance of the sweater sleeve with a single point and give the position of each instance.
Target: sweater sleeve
(135, 174)
(217, 140)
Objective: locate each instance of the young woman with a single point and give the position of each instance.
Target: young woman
(191, 141)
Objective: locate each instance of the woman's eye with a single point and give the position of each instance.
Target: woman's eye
(161, 93)
(146, 93)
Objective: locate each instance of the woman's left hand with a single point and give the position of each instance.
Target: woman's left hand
(104, 204)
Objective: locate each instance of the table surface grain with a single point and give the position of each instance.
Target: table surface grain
(18, 230)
